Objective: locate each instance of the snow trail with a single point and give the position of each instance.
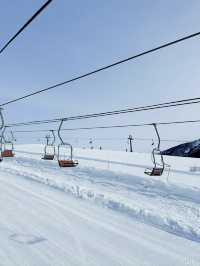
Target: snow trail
(170, 207)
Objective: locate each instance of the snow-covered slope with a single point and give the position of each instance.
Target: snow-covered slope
(190, 149)
(68, 209)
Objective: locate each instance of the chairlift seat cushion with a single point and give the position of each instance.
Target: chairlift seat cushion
(156, 171)
(48, 157)
(7, 153)
(67, 163)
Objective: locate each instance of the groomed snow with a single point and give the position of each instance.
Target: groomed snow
(53, 216)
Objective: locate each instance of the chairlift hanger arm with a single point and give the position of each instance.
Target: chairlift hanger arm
(54, 137)
(47, 139)
(12, 136)
(158, 136)
(59, 129)
(2, 140)
(59, 134)
(3, 134)
(2, 127)
(2, 119)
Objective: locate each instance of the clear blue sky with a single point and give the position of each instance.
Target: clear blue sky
(73, 37)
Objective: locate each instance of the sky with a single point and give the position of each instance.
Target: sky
(71, 38)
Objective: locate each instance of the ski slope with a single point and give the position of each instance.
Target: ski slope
(103, 212)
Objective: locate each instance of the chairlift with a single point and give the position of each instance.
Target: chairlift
(65, 152)
(1, 139)
(159, 166)
(12, 136)
(49, 149)
(7, 149)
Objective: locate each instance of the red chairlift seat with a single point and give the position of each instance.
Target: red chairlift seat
(67, 163)
(7, 149)
(7, 153)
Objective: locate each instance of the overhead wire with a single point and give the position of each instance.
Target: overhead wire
(116, 112)
(113, 126)
(103, 139)
(30, 20)
(109, 113)
(142, 108)
(100, 69)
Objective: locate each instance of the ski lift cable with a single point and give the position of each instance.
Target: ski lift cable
(103, 139)
(162, 46)
(110, 113)
(25, 25)
(133, 125)
(114, 126)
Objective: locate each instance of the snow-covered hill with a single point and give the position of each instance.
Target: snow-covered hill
(106, 211)
(189, 149)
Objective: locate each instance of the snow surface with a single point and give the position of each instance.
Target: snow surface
(53, 216)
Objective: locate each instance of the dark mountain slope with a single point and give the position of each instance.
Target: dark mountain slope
(189, 149)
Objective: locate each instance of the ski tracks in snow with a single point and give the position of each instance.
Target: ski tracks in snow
(169, 207)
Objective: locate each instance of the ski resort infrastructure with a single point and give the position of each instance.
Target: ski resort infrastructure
(67, 197)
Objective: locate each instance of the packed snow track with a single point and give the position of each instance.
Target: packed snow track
(95, 215)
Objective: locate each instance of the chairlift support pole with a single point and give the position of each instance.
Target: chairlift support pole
(130, 138)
